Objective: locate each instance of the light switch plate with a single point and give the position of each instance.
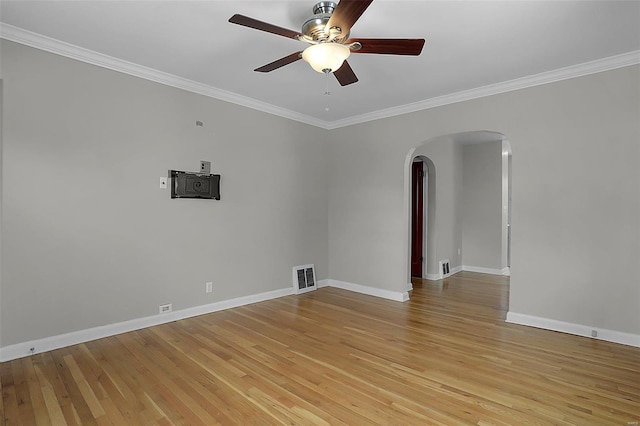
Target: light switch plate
(163, 182)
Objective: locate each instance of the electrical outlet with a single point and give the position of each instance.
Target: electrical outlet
(163, 182)
(205, 167)
(209, 287)
(594, 333)
(165, 308)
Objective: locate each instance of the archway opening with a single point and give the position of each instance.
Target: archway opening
(423, 204)
(467, 204)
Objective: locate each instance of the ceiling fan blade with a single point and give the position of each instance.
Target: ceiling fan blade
(345, 74)
(346, 14)
(280, 62)
(389, 46)
(263, 26)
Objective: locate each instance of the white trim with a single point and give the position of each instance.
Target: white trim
(21, 350)
(454, 270)
(432, 277)
(438, 276)
(483, 270)
(406, 214)
(371, 291)
(576, 329)
(38, 41)
(579, 70)
(323, 283)
(28, 38)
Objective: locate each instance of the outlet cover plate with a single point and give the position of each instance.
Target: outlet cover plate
(205, 167)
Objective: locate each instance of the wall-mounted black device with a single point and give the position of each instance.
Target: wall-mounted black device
(194, 185)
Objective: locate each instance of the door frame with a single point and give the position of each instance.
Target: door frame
(418, 228)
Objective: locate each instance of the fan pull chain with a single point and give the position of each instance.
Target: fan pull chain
(327, 93)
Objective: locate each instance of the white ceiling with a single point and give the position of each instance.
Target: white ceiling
(469, 45)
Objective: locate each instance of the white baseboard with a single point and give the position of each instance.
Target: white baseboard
(432, 277)
(23, 349)
(371, 291)
(576, 329)
(435, 277)
(323, 283)
(454, 270)
(483, 270)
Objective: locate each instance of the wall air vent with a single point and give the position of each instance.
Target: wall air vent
(304, 279)
(444, 268)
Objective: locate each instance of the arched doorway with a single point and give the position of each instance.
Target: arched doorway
(423, 214)
(443, 161)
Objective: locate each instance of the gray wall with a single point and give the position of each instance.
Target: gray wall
(482, 205)
(448, 163)
(89, 239)
(1, 191)
(576, 195)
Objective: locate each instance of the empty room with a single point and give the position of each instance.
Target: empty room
(290, 212)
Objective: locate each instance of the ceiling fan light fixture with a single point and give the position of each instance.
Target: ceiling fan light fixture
(326, 57)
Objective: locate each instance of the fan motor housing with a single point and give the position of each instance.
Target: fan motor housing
(314, 27)
(324, 7)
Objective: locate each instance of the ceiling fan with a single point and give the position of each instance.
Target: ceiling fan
(327, 33)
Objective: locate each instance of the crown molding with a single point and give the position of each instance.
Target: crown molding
(579, 70)
(48, 44)
(38, 41)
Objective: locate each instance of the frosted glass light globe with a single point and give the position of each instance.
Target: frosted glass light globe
(326, 56)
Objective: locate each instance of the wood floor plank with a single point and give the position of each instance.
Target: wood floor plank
(33, 384)
(87, 392)
(2, 416)
(79, 409)
(10, 415)
(335, 357)
(54, 410)
(23, 397)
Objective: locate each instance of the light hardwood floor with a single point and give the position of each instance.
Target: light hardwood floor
(335, 357)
